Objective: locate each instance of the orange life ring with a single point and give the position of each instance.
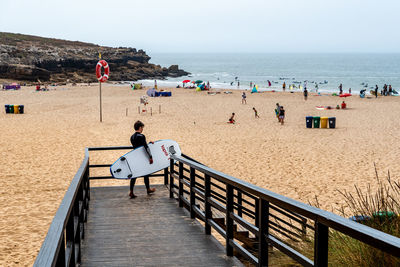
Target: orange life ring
(102, 78)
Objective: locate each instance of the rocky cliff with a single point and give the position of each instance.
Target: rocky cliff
(29, 58)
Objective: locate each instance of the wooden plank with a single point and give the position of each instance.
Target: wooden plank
(146, 231)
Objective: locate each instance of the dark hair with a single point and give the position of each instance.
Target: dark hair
(137, 125)
(233, 113)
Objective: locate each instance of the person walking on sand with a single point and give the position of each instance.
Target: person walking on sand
(305, 93)
(244, 98)
(137, 140)
(277, 110)
(284, 86)
(255, 113)
(376, 90)
(231, 119)
(281, 115)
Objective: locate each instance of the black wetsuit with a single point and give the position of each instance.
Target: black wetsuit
(138, 140)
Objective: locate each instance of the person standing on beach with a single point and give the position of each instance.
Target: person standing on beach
(138, 140)
(278, 107)
(255, 113)
(238, 84)
(251, 85)
(284, 86)
(244, 98)
(376, 90)
(281, 115)
(305, 93)
(340, 89)
(390, 89)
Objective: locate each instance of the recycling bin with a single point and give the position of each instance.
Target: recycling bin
(10, 108)
(6, 107)
(21, 109)
(309, 120)
(324, 122)
(16, 109)
(332, 122)
(316, 121)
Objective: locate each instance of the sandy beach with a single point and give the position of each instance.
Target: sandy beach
(42, 149)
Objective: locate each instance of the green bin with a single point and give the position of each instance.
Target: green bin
(11, 109)
(316, 121)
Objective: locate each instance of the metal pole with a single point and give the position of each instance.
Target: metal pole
(101, 115)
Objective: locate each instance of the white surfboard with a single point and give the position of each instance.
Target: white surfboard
(136, 162)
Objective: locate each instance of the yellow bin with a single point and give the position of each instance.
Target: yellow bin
(324, 122)
(16, 109)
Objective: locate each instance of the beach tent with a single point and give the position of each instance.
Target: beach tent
(151, 92)
(254, 90)
(186, 81)
(198, 81)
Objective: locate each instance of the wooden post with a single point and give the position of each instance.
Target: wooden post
(239, 200)
(138, 109)
(101, 112)
(192, 193)
(159, 109)
(166, 176)
(229, 220)
(180, 184)
(321, 245)
(171, 178)
(207, 194)
(151, 111)
(126, 112)
(263, 232)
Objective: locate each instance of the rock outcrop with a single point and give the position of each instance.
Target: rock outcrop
(32, 58)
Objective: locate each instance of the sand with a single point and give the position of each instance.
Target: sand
(42, 149)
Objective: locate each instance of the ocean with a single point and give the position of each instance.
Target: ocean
(355, 71)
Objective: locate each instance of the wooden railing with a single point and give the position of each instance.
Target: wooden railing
(272, 219)
(62, 245)
(265, 218)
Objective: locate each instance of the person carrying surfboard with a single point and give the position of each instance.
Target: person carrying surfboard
(137, 140)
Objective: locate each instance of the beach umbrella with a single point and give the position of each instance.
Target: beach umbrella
(186, 81)
(198, 81)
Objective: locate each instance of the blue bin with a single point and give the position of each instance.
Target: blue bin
(309, 121)
(21, 109)
(332, 122)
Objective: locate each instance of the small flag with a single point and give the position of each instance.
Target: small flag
(99, 55)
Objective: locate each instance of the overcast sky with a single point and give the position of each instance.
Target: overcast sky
(266, 26)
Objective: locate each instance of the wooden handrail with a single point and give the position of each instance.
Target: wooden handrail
(323, 219)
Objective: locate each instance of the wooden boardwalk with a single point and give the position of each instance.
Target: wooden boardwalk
(146, 231)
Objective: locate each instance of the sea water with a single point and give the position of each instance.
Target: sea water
(355, 71)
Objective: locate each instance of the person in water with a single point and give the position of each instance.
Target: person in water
(231, 119)
(255, 113)
(137, 140)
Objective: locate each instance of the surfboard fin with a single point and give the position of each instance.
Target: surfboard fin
(129, 175)
(172, 150)
(117, 170)
(123, 158)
